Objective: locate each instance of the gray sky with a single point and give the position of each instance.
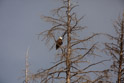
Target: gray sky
(20, 22)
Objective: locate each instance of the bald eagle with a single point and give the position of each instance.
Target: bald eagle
(59, 43)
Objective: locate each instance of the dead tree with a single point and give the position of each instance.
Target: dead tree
(27, 77)
(26, 67)
(116, 50)
(72, 65)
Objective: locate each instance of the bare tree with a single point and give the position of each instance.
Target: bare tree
(27, 77)
(26, 67)
(72, 66)
(116, 50)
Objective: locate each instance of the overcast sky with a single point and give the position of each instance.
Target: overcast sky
(20, 22)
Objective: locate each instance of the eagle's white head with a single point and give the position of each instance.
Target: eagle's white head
(60, 38)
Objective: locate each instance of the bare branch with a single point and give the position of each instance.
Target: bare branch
(95, 64)
(80, 41)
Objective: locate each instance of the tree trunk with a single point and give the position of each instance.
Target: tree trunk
(68, 44)
(121, 52)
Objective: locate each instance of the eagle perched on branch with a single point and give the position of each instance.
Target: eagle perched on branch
(59, 42)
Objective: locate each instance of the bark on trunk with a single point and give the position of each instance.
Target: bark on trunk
(68, 45)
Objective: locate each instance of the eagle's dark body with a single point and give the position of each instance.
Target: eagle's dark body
(58, 43)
